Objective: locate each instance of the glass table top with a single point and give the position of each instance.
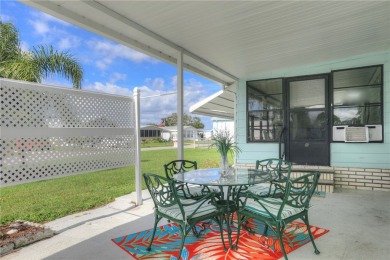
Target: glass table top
(235, 177)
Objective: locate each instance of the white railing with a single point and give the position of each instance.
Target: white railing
(48, 132)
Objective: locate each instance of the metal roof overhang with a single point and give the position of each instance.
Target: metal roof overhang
(225, 41)
(220, 104)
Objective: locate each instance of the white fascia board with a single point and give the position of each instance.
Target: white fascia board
(205, 101)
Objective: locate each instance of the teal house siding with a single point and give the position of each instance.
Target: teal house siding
(359, 155)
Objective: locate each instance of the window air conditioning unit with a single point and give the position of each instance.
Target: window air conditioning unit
(354, 134)
(339, 133)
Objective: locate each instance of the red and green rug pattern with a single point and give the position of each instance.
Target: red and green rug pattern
(167, 240)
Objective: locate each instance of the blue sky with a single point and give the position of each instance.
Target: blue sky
(108, 66)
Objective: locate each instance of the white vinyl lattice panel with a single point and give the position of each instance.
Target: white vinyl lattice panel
(49, 132)
(39, 106)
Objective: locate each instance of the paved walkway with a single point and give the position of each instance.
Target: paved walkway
(168, 147)
(359, 223)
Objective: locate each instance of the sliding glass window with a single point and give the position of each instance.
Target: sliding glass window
(357, 96)
(264, 110)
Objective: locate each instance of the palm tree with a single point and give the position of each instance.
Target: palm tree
(37, 64)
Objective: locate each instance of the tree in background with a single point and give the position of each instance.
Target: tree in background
(187, 120)
(197, 123)
(37, 64)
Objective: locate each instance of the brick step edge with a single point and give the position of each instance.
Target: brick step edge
(323, 182)
(327, 171)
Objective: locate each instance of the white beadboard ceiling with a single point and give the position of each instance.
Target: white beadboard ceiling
(228, 40)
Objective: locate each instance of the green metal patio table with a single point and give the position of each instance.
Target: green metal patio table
(230, 185)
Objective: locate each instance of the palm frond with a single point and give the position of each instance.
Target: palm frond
(10, 43)
(33, 66)
(20, 67)
(52, 62)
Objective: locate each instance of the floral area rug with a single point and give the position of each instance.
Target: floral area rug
(166, 243)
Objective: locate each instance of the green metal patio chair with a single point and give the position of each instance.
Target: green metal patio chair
(187, 191)
(277, 213)
(186, 213)
(279, 169)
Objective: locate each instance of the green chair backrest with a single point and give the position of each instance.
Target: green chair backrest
(300, 190)
(160, 189)
(281, 169)
(164, 194)
(177, 166)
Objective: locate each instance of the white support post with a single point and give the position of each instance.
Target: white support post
(235, 125)
(180, 101)
(138, 185)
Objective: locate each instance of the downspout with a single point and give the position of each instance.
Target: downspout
(235, 123)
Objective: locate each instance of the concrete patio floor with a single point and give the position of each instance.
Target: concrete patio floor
(359, 224)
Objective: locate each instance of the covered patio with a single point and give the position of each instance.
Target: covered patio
(242, 42)
(358, 222)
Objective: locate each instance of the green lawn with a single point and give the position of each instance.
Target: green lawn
(48, 200)
(156, 144)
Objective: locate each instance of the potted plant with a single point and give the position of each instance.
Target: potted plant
(222, 140)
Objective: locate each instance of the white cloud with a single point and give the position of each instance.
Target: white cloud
(116, 76)
(156, 104)
(53, 31)
(157, 83)
(109, 88)
(68, 42)
(155, 107)
(101, 64)
(65, 43)
(152, 109)
(40, 27)
(108, 52)
(174, 81)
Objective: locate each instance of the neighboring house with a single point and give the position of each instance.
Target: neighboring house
(150, 132)
(170, 133)
(205, 134)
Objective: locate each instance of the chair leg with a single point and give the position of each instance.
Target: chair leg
(195, 232)
(265, 229)
(203, 228)
(156, 220)
(279, 233)
(183, 238)
(306, 220)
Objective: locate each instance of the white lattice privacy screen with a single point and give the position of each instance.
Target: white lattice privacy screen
(48, 132)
